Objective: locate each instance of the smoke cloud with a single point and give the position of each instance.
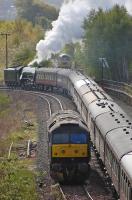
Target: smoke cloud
(69, 25)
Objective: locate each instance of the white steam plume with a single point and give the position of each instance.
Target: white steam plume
(69, 25)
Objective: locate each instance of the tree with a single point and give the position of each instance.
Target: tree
(21, 42)
(32, 10)
(108, 34)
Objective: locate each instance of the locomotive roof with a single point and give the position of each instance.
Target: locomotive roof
(126, 162)
(85, 85)
(99, 107)
(64, 55)
(76, 76)
(65, 117)
(29, 70)
(120, 141)
(64, 72)
(83, 89)
(93, 96)
(13, 68)
(111, 121)
(50, 70)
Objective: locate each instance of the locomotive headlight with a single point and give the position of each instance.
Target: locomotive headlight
(76, 151)
(63, 151)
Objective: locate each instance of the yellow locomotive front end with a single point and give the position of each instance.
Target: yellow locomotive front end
(70, 151)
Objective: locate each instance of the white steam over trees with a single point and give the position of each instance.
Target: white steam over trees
(69, 25)
(67, 28)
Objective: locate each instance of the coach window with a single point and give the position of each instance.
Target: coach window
(107, 153)
(92, 126)
(109, 157)
(122, 182)
(75, 93)
(130, 193)
(79, 100)
(101, 144)
(97, 133)
(84, 110)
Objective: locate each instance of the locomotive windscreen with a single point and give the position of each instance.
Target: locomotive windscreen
(60, 138)
(78, 138)
(70, 135)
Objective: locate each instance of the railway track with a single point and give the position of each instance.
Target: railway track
(47, 97)
(95, 187)
(77, 192)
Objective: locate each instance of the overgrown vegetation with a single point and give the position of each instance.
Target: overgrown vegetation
(4, 102)
(17, 177)
(21, 42)
(16, 181)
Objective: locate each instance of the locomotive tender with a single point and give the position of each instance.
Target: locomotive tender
(110, 128)
(69, 145)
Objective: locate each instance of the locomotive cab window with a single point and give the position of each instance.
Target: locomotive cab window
(71, 135)
(78, 138)
(62, 138)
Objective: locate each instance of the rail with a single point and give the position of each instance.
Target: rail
(122, 86)
(9, 153)
(87, 193)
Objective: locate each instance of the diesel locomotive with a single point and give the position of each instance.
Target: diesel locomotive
(110, 127)
(69, 145)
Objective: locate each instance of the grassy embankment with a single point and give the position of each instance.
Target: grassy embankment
(17, 176)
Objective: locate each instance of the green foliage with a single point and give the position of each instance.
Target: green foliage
(21, 42)
(108, 34)
(69, 49)
(24, 56)
(4, 102)
(16, 182)
(45, 63)
(33, 11)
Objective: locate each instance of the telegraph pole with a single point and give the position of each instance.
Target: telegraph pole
(6, 46)
(104, 63)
